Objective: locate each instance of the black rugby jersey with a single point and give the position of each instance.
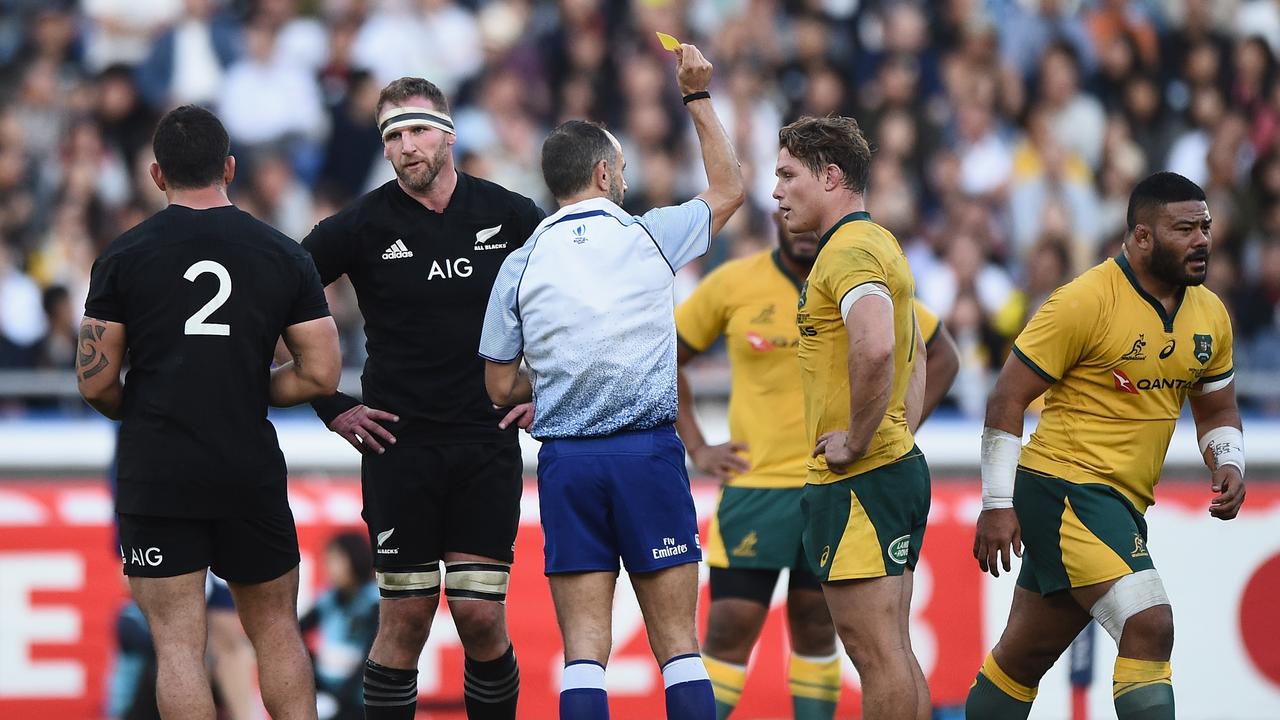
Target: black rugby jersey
(422, 279)
(203, 295)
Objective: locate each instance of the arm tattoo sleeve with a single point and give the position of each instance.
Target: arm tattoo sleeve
(90, 361)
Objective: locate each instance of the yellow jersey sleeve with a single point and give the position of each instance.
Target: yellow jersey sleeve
(849, 268)
(1218, 346)
(927, 321)
(702, 317)
(1061, 332)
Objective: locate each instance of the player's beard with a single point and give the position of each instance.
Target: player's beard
(421, 181)
(1170, 267)
(786, 244)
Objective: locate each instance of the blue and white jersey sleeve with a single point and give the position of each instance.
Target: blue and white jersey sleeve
(502, 339)
(682, 232)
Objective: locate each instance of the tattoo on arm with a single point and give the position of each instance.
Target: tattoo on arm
(91, 362)
(297, 360)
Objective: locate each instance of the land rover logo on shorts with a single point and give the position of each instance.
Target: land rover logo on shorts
(1204, 347)
(899, 549)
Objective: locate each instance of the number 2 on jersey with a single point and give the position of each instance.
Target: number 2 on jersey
(196, 324)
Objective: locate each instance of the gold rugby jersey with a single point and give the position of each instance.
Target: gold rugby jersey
(854, 252)
(751, 302)
(1121, 368)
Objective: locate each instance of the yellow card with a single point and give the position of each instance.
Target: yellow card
(668, 42)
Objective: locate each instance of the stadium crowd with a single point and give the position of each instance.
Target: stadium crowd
(1008, 133)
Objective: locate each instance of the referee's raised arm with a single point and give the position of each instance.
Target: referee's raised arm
(725, 191)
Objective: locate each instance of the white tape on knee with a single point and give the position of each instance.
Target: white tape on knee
(1129, 596)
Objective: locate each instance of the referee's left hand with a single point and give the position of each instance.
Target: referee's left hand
(521, 415)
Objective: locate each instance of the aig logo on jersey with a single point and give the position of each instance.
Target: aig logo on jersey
(448, 269)
(142, 557)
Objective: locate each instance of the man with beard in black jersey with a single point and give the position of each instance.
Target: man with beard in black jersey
(441, 471)
(196, 296)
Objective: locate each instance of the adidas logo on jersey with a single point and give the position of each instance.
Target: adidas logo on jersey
(397, 251)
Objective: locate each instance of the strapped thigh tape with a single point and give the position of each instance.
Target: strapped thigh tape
(476, 581)
(1129, 596)
(409, 582)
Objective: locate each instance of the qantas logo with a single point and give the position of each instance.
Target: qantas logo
(1123, 383)
(758, 342)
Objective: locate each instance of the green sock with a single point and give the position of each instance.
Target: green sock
(727, 681)
(1143, 689)
(996, 696)
(815, 686)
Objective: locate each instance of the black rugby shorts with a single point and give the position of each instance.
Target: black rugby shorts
(239, 550)
(422, 502)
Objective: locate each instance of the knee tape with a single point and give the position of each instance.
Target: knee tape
(409, 582)
(1129, 596)
(476, 581)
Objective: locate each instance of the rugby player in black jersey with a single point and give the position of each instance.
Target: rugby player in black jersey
(196, 297)
(441, 470)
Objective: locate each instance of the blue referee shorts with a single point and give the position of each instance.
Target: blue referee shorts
(624, 495)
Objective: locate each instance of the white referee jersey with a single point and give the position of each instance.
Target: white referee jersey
(589, 302)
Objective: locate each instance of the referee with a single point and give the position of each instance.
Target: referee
(441, 471)
(588, 304)
(197, 296)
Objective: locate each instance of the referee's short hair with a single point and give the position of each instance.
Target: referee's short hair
(1159, 190)
(397, 91)
(191, 146)
(833, 140)
(570, 153)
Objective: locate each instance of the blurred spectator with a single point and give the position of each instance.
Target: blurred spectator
(1189, 154)
(187, 62)
(437, 39)
(266, 101)
(1045, 172)
(120, 32)
(57, 349)
(345, 621)
(1029, 27)
(277, 197)
(354, 144)
(1077, 118)
(22, 318)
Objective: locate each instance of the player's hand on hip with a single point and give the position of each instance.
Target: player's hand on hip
(693, 71)
(834, 446)
(998, 539)
(361, 427)
(721, 461)
(521, 415)
(1229, 485)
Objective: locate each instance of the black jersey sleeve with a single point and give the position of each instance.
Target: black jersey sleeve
(309, 303)
(331, 244)
(529, 215)
(104, 301)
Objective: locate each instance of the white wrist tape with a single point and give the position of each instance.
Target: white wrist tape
(1000, 453)
(1227, 445)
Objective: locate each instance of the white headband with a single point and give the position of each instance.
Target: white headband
(403, 117)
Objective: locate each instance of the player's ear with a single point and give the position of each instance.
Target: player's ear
(1142, 236)
(833, 177)
(157, 176)
(228, 169)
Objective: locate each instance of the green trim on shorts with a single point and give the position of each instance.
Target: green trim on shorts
(1114, 541)
(868, 525)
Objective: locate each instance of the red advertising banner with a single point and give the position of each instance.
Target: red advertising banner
(61, 590)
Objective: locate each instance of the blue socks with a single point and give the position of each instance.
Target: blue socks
(582, 695)
(689, 692)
